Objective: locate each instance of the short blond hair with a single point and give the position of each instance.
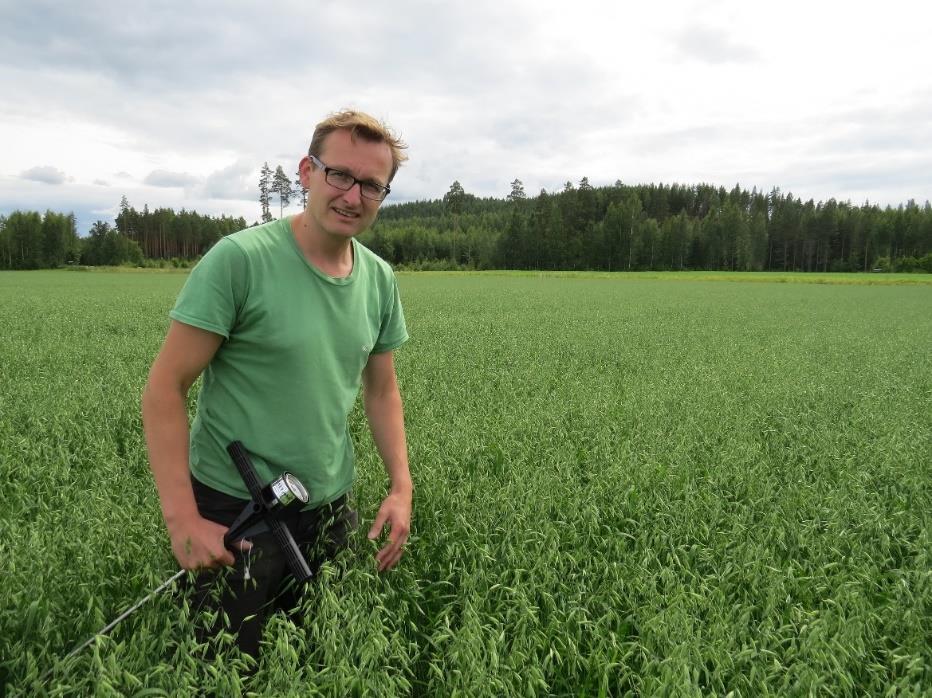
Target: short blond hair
(363, 125)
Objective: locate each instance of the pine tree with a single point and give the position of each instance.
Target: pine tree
(265, 177)
(300, 190)
(281, 185)
(453, 200)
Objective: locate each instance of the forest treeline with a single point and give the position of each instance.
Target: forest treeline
(619, 227)
(658, 227)
(29, 240)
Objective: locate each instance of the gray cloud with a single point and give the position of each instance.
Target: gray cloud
(150, 47)
(853, 177)
(89, 202)
(214, 48)
(164, 178)
(190, 86)
(238, 181)
(903, 129)
(45, 174)
(846, 176)
(713, 46)
(84, 201)
(490, 92)
(101, 183)
(662, 142)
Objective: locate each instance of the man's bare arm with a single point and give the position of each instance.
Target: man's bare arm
(382, 402)
(196, 542)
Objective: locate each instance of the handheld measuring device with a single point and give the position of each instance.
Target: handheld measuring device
(264, 512)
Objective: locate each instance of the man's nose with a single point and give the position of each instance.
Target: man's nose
(353, 195)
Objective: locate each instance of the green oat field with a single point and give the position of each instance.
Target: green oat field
(644, 485)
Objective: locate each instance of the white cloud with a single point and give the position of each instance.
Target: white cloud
(236, 181)
(184, 113)
(164, 178)
(714, 46)
(45, 174)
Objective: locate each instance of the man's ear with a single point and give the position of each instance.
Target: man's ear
(305, 168)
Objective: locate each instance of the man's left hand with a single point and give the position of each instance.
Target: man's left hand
(395, 512)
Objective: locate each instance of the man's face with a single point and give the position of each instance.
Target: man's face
(337, 213)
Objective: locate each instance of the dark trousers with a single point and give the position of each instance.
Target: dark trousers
(259, 582)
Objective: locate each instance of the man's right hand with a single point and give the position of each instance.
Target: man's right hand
(198, 543)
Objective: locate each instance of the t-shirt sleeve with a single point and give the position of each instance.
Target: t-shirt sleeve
(214, 292)
(393, 332)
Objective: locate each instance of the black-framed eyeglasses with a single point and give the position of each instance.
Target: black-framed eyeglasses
(346, 181)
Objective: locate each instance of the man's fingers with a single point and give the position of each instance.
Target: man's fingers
(242, 545)
(199, 545)
(227, 557)
(389, 559)
(396, 539)
(377, 525)
(208, 560)
(219, 558)
(395, 513)
(389, 555)
(216, 554)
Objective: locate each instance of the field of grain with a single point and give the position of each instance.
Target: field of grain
(625, 485)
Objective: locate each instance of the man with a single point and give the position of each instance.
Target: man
(285, 320)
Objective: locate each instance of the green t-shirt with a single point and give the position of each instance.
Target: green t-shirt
(287, 375)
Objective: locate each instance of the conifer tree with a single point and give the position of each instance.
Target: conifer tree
(281, 185)
(265, 180)
(453, 200)
(300, 190)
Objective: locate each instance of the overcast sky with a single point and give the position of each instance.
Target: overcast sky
(179, 104)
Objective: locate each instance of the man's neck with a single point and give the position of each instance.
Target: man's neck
(331, 254)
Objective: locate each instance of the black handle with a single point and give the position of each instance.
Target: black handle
(246, 471)
(296, 562)
(254, 512)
